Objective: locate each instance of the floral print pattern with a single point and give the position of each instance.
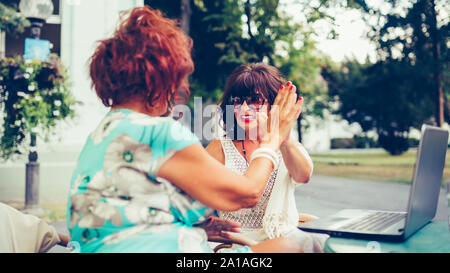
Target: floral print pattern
(114, 200)
(190, 239)
(106, 126)
(123, 151)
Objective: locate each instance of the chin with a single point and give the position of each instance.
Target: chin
(248, 126)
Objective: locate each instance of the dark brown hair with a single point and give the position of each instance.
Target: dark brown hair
(148, 57)
(245, 80)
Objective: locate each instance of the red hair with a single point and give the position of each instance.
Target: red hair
(149, 56)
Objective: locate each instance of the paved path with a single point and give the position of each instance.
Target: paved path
(326, 195)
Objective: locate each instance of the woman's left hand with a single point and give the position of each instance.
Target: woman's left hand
(217, 228)
(293, 89)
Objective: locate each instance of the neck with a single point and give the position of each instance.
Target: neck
(155, 111)
(247, 140)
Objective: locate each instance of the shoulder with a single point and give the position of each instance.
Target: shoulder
(162, 134)
(215, 150)
(140, 119)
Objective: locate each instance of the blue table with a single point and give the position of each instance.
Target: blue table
(433, 238)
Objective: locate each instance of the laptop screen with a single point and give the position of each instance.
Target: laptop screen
(427, 179)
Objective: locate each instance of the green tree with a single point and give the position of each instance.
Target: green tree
(232, 32)
(227, 33)
(385, 97)
(420, 38)
(405, 87)
(216, 28)
(10, 21)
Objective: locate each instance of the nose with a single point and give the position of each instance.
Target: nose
(244, 105)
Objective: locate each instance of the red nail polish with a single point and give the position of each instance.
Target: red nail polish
(281, 87)
(288, 83)
(301, 98)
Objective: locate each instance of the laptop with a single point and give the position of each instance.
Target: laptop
(422, 204)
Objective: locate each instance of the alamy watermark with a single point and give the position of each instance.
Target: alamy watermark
(207, 122)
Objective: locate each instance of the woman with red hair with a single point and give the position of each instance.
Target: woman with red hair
(143, 182)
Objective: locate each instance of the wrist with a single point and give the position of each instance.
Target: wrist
(285, 144)
(270, 145)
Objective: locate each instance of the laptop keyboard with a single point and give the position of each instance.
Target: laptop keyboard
(375, 222)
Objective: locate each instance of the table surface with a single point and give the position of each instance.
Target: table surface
(432, 238)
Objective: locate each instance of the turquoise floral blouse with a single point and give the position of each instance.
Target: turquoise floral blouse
(118, 204)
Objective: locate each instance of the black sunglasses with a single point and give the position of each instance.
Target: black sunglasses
(254, 101)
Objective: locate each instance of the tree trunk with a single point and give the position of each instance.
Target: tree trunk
(248, 13)
(440, 91)
(437, 73)
(299, 128)
(186, 15)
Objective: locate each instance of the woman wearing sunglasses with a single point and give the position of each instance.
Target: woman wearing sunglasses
(249, 95)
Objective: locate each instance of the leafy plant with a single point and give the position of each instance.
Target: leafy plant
(10, 21)
(34, 96)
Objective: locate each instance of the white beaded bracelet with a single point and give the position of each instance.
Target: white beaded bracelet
(267, 153)
(275, 165)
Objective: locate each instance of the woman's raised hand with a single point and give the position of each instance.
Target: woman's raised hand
(282, 116)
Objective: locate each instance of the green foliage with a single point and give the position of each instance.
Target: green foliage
(398, 92)
(394, 144)
(228, 33)
(10, 21)
(232, 32)
(34, 97)
(417, 34)
(216, 28)
(302, 65)
(385, 97)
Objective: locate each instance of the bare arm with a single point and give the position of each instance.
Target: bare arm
(204, 178)
(208, 181)
(297, 164)
(215, 150)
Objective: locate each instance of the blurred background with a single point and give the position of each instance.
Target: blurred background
(371, 73)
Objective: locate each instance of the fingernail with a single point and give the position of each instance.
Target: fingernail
(290, 88)
(281, 87)
(301, 98)
(288, 83)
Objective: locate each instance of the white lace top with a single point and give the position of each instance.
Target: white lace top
(250, 218)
